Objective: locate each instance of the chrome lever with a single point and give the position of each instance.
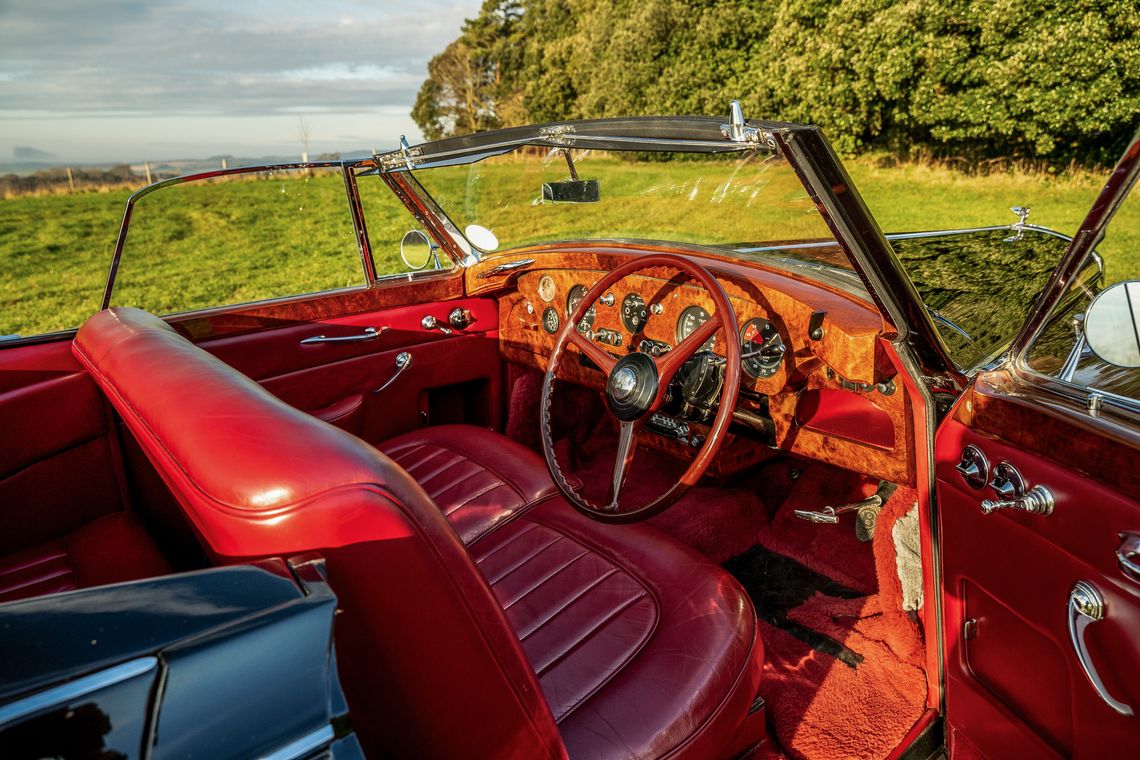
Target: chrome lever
(1128, 554)
(370, 333)
(403, 361)
(431, 323)
(1086, 606)
(830, 515)
(1037, 501)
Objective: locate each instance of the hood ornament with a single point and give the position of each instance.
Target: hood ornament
(1022, 222)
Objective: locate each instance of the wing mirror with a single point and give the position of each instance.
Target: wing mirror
(1112, 324)
(417, 250)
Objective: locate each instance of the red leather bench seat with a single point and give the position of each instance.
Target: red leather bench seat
(112, 549)
(549, 635)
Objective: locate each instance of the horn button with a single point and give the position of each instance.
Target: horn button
(632, 386)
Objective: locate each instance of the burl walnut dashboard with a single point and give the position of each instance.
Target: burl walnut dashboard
(816, 378)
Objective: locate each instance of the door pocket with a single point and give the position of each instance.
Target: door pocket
(1019, 665)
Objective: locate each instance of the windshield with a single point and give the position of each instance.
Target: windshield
(535, 195)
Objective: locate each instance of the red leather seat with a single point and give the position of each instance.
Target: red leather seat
(551, 635)
(476, 477)
(112, 549)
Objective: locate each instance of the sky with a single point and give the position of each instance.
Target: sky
(147, 80)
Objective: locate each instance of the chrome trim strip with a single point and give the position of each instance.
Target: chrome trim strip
(59, 695)
(306, 745)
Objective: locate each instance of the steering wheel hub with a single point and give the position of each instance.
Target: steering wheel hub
(632, 386)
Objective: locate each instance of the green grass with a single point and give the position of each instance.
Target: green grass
(226, 242)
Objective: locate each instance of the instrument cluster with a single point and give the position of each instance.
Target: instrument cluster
(762, 347)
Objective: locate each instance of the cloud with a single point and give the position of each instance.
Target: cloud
(220, 58)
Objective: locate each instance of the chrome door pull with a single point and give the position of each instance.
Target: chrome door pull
(370, 333)
(403, 361)
(1086, 606)
(1037, 501)
(1128, 556)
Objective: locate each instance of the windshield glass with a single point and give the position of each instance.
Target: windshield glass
(735, 202)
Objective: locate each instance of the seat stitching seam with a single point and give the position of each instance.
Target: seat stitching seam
(549, 576)
(436, 493)
(570, 602)
(424, 461)
(523, 561)
(609, 618)
(472, 498)
(33, 563)
(35, 581)
(529, 529)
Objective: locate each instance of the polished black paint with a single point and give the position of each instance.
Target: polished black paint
(245, 664)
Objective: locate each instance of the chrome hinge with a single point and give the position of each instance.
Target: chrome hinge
(557, 134)
(404, 158)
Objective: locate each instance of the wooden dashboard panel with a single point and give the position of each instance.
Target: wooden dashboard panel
(849, 361)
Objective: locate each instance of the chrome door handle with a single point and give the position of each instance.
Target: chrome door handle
(1086, 606)
(1128, 556)
(1037, 501)
(403, 361)
(370, 333)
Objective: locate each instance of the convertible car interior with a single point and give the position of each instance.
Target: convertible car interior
(595, 496)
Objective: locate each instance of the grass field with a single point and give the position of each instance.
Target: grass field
(228, 242)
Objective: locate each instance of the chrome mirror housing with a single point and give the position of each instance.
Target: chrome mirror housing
(417, 250)
(1112, 324)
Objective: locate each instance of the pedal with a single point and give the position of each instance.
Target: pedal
(825, 516)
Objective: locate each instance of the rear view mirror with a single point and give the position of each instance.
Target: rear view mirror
(572, 191)
(417, 250)
(1112, 324)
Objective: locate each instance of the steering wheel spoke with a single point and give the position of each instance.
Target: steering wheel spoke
(669, 363)
(627, 447)
(593, 351)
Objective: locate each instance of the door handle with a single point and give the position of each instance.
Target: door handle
(1086, 606)
(370, 333)
(403, 361)
(1038, 501)
(1128, 556)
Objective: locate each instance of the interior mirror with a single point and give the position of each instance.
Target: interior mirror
(481, 237)
(1112, 324)
(572, 191)
(417, 250)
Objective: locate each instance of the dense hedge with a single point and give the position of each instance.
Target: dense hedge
(1054, 80)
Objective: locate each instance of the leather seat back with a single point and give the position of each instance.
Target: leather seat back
(431, 666)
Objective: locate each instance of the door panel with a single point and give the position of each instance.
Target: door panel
(1015, 686)
(58, 466)
(336, 380)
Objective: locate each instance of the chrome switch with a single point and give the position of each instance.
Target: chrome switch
(974, 468)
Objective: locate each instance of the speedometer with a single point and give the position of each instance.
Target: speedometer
(577, 293)
(692, 318)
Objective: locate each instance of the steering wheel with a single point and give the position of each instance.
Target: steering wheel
(636, 387)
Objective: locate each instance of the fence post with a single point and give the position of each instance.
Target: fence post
(225, 163)
(146, 168)
(70, 180)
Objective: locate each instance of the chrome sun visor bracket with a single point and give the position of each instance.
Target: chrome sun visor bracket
(738, 130)
(404, 158)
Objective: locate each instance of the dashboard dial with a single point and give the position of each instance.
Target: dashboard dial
(577, 293)
(761, 348)
(634, 313)
(692, 318)
(550, 320)
(546, 288)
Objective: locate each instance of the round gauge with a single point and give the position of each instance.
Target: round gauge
(634, 313)
(546, 288)
(692, 318)
(550, 320)
(761, 348)
(577, 293)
